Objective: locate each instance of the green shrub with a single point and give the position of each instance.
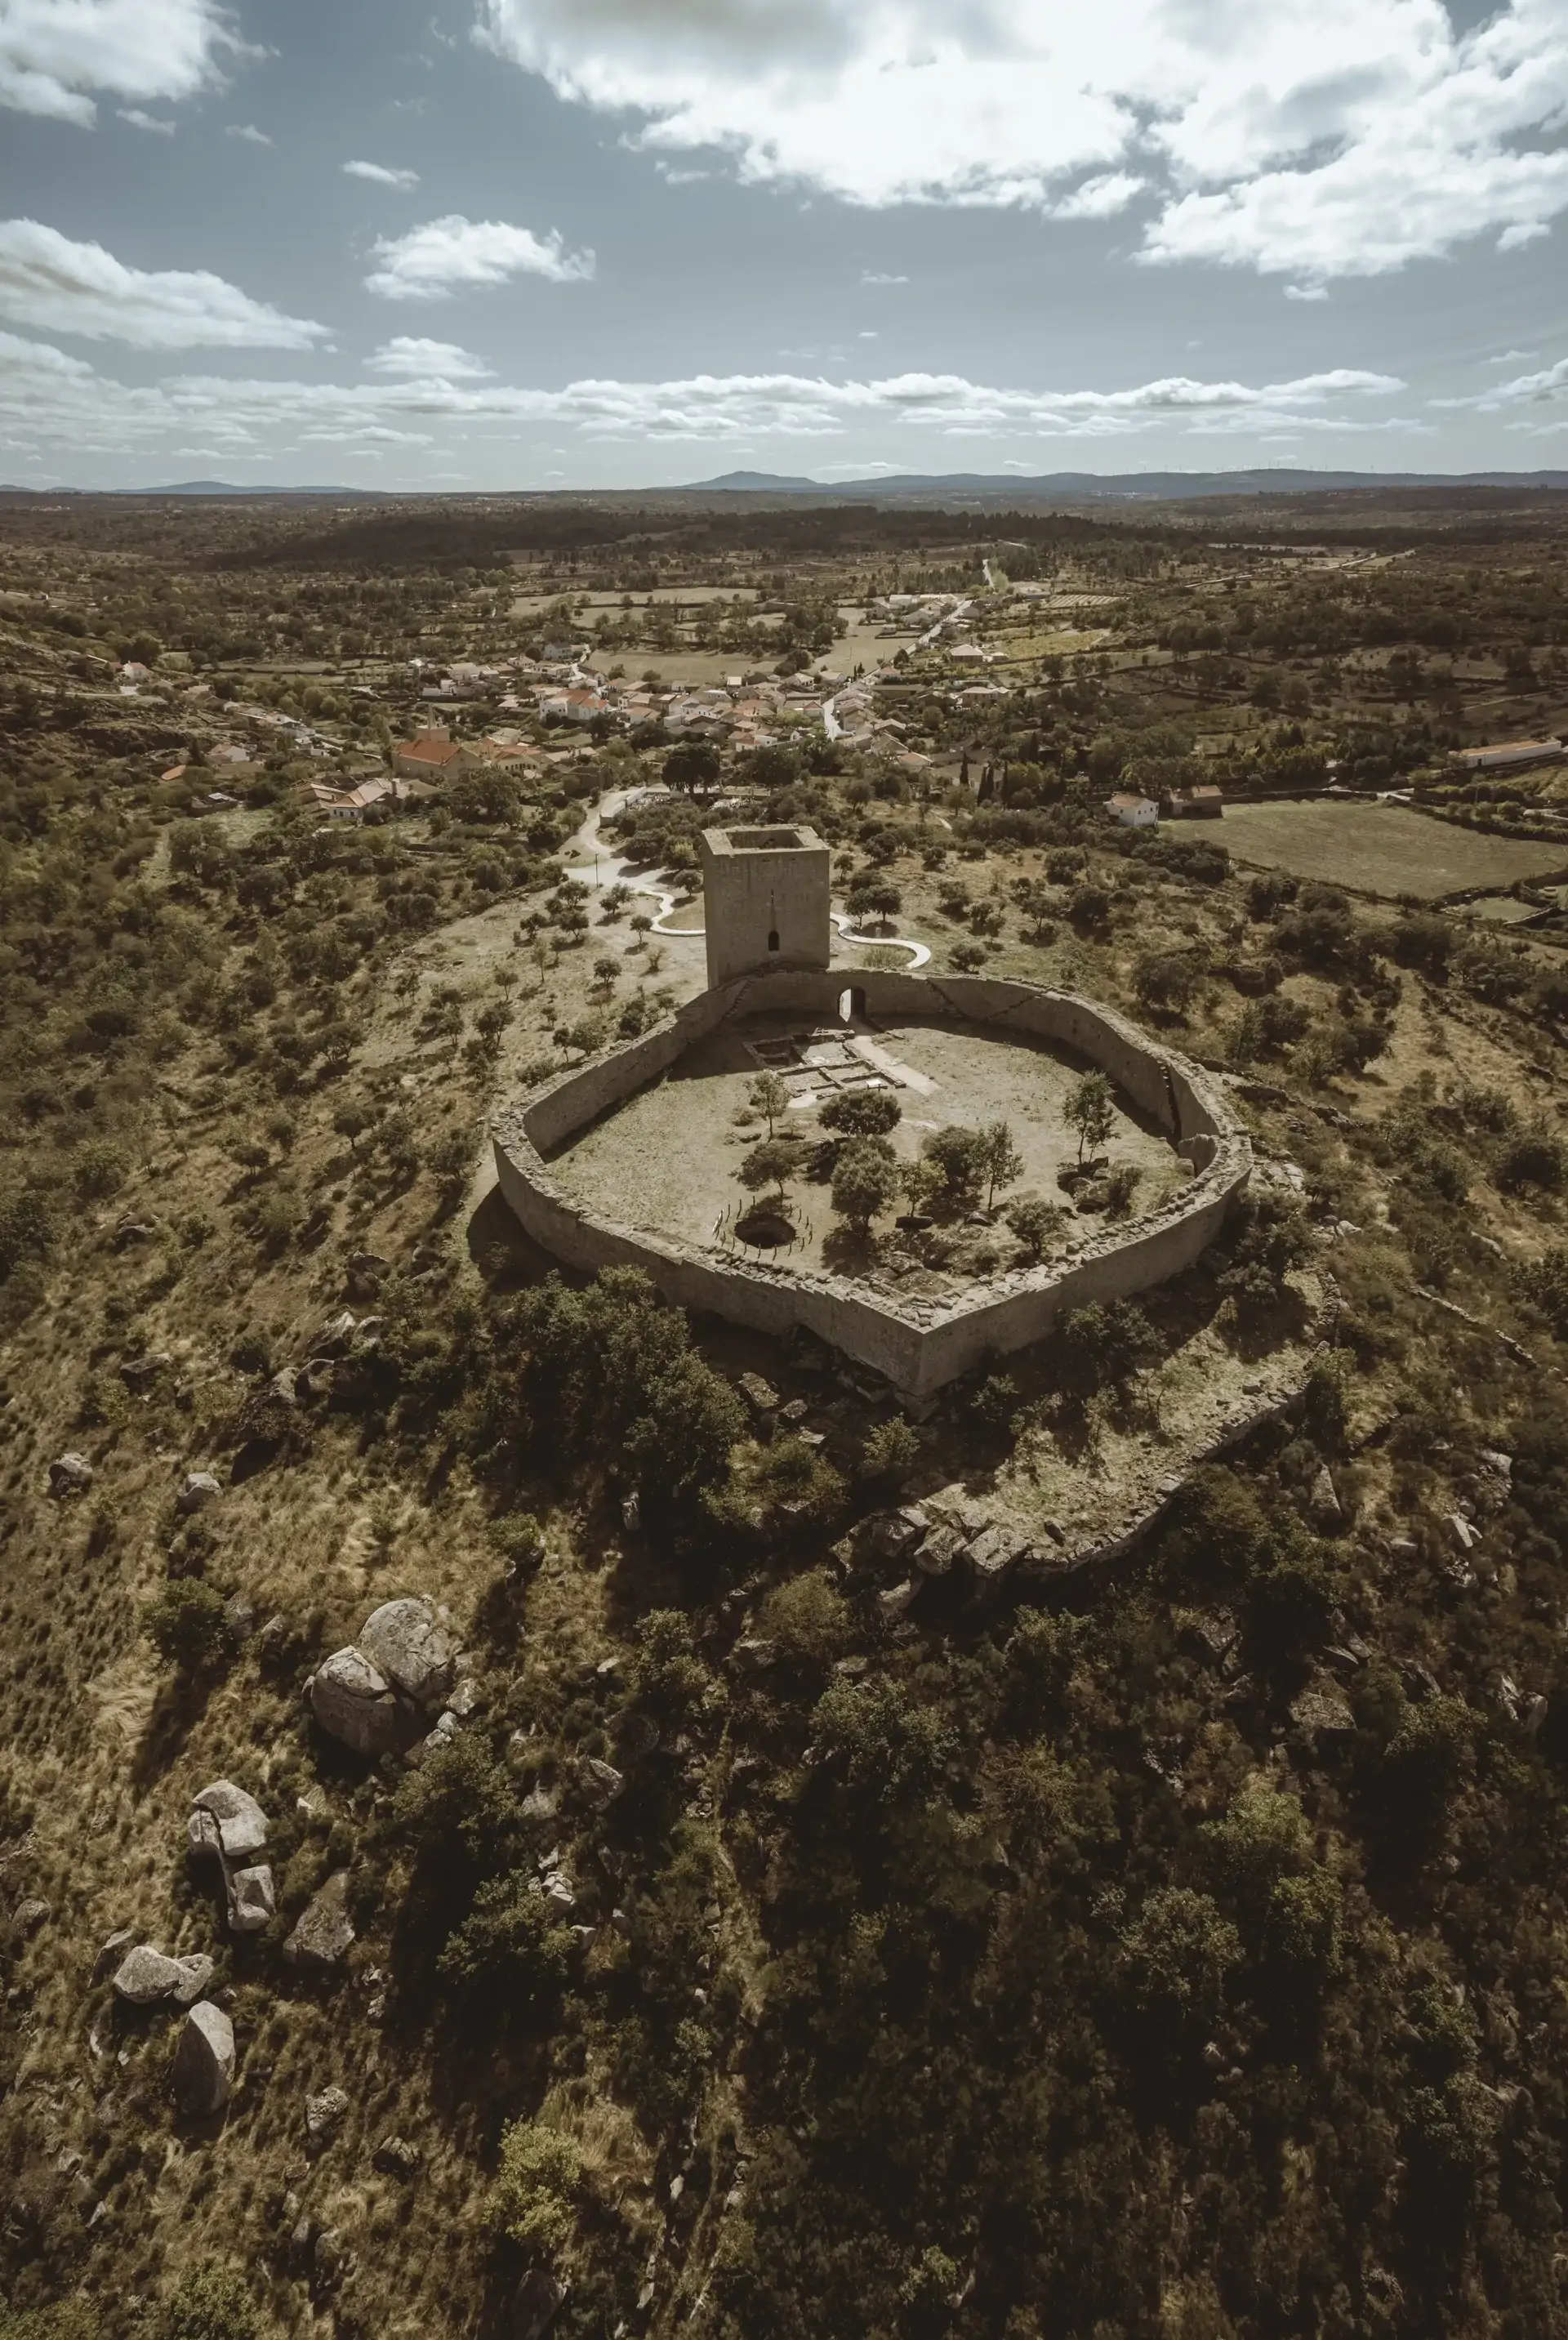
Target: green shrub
(187, 1626)
(810, 1620)
(1176, 1958)
(1543, 1284)
(533, 2202)
(668, 1677)
(212, 2303)
(26, 1228)
(509, 1947)
(891, 1450)
(881, 1742)
(99, 1169)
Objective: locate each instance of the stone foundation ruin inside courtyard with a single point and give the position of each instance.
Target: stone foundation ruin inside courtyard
(634, 1157)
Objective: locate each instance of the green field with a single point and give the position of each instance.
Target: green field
(1379, 848)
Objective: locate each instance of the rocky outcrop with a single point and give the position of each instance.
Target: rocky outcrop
(410, 1643)
(200, 1489)
(251, 1898)
(145, 1977)
(355, 1703)
(599, 1782)
(230, 1826)
(325, 1933)
(70, 1474)
(203, 2078)
(378, 1694)
(326, 2114)
(225, 1819)
(534, 2306)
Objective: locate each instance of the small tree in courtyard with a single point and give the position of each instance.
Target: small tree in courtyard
(958, 1158)
(864, 1181)
(1036, 1222)
(862, 1113)
(771, 1163)
(769, 1095)
(1000, 1160)
(1091, 1111)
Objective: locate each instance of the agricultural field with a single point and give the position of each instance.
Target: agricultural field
(1384, 850)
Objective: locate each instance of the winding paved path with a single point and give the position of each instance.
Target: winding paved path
(602, 868)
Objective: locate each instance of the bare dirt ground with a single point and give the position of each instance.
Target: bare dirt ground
(670, 1158)
(1381, 849)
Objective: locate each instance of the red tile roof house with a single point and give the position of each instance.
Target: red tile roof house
(433, 756)
(575, 706)
(352, 804)
(1202, 803)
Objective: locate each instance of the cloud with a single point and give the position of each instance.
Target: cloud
(879, 276)
(1541, 388)
(406, 357)
(47, 280)
(249, 133)
(52, 401)
(1346, 140)
(1098, 198)
(379, 175)
(447, 254)
(140, 121)
(54, 54)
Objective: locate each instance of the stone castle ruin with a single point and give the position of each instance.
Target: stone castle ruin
(632, 1157)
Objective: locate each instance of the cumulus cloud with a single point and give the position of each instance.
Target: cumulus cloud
(48, 282)
(248, 131)
(51, 400)
(380, 176)
(1543, 387)
(54, 53)
(448, 254)
(1098, 198)
(408, 358)
(138, 120)
(1344, 140)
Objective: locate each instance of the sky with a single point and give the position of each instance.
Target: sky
(476, 245)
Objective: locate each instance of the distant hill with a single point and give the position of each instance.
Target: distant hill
(1162, 487)
(231, 487)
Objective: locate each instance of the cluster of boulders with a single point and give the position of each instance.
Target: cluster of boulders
(910, 1545)
(145, 1977)
(230, 1826)
(201, 2078)
(399, 1682)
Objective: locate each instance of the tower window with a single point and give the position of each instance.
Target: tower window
(773, 938)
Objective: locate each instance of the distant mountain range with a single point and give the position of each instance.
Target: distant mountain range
(1045, 487)
(1116, 487)
(195, 487)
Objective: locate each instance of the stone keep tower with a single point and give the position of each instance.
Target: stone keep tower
(766, 900)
